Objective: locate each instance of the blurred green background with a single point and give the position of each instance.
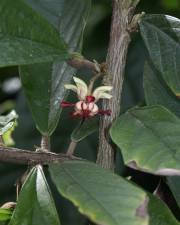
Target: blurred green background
(95, 47)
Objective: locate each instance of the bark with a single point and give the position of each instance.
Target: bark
(25, 157)
(116, 61)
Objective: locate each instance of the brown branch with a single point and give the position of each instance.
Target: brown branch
(25, 157)
(116, 61)
(79, 63)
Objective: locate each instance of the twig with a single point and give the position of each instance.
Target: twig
(25, 157)
(71, 148)
(45, 143)
(93, 80)
(81, 62)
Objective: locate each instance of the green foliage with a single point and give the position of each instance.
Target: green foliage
(148, 139)
(5, 214)
(26, 37)
(7, 126)
(102, 196)
(84, 129)
(174, 184)
(157, 92)
(159, 213)
(44, 83)
(39, 36)
(162, 39)
(35, 204)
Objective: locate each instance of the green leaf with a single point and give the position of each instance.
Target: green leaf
(149, 139)
(174, 184)
(7, 126)
(35, 204)
(68, 17)
(5, 214)
(4, 120)
(26, 37)
(99, 194)
(161, 35)
(157, 92)
(159, 213)
(85, 129)
(44, 83)
(51, 10)
(7, 136)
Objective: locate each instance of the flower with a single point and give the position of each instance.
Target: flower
(86, 107)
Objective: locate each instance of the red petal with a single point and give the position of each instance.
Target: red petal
(90, 98)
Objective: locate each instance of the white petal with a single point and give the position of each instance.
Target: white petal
(104, 88)
(100, 92)
(82, 88)
(105, 95)
(71, 87)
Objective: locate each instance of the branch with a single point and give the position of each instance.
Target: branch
(116, 60)
(80, 62)
(25, 157)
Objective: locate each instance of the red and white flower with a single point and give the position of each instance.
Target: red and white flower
(86, 106)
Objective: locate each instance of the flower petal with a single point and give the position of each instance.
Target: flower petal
(71, 87)
(82, 88)
(100, 92)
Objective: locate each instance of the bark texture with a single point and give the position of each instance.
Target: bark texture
(116, 61)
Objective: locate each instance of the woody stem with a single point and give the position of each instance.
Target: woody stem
(116, 61)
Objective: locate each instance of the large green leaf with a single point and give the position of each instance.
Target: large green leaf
(157, 92)
(99, 194)
(35, 204)
(161, 35)
(85, 129)
(51, 10)
(107, 198)
(174, 184)
(26, 37)
(44, 83)
(149, 139)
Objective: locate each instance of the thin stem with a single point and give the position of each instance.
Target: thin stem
(71, 148)
(79, 63)
(92, 81)
(45, 143)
